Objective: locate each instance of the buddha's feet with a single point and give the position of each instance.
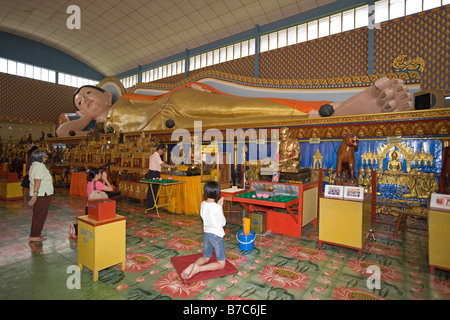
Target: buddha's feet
(385, 95)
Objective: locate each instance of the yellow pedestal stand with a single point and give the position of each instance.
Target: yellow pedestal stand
(438, 240)
(101, 244)
(344, 223)
(11, 190)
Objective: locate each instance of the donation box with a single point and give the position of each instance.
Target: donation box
(101, 209)
(101, 244)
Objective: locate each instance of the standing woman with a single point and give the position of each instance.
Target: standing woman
(41, 191)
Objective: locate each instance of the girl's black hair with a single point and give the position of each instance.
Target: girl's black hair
(86, 86)
(212, 190)
(92, 172)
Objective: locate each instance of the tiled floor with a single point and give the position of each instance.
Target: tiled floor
(279, 267)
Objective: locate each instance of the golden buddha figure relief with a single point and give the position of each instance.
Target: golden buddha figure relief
(394, 165)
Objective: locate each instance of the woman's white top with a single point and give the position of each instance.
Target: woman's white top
(39, 171)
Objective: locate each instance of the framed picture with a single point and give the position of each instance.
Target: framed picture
(353, 193)
(332, 191)
(440, 201)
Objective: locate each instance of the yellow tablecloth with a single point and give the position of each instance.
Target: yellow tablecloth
(78, 184)
(186, 197)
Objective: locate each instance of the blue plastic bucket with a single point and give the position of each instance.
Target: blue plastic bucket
(246, 241)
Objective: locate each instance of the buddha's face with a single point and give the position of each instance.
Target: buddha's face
(284, 134)
(92, 102)
(394, 155)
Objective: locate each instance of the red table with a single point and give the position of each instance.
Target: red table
(289, 224)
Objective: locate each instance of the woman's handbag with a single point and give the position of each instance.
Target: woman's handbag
(95, 194)
(25, 182)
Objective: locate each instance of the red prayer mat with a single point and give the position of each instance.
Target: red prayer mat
(182, 262)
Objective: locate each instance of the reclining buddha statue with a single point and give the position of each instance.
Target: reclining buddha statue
(196, 101)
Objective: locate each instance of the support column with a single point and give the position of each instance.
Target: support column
(257, 51)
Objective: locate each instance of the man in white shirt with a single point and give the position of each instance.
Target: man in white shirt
(154, 171)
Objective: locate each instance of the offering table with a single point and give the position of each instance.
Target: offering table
(166, 184)
(299, 200)
(187, 197)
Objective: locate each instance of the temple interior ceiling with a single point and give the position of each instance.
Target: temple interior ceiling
(116, 36)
